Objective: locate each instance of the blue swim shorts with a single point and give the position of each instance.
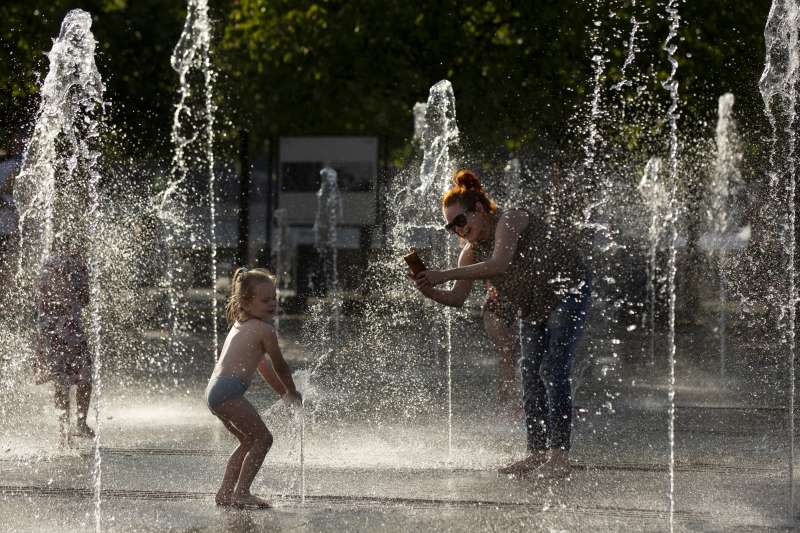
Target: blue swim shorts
(220, 389)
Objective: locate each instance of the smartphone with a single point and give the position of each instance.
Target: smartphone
(414, 262)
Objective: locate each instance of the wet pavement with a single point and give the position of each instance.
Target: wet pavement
(393, 469)
(173, 491)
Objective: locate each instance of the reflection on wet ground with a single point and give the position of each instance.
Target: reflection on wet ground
(163, 454)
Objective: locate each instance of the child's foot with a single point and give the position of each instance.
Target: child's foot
(63, 440)
(519, 468)
(63, 433)
(248, 501)
(224, 498)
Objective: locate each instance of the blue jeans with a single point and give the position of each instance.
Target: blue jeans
(548, 349)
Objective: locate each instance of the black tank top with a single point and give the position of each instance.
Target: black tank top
(545, 266)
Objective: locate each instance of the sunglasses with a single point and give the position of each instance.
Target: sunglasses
(459, 222)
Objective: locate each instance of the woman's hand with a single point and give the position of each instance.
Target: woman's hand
(429, 278)
(423, 290)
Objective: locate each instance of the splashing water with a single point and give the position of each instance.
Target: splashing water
(599, 187)
(280, 247)
(632, 49)
(326, 222)
(778, 86)
(96, 307)
(440, 137)
(656, 197)
(419, 111)
(438, 165)
(727, 159)
(671, 84)
(58, 185)
(725, 176)
(62, 141)
(512, 183)
(193, 123)
(417, 223)
(593, 138)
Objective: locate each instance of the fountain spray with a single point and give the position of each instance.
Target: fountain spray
(440, 137)
(725, 175)
(59, 183)
(778, 86)
(192, 54)
(671, 84)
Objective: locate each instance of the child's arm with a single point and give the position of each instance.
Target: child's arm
(279, 366)
(269, 375)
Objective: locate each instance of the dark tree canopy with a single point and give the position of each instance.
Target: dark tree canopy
(521, 70)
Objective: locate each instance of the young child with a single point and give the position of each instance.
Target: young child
(62, 352)
(250, 310)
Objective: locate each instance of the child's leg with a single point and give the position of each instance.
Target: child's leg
(83, 397)
(61, 397)
(243, 416)
(234, 466)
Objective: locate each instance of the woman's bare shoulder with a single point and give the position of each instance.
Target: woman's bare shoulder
(514, 213)
(515, 218)
(467, 255)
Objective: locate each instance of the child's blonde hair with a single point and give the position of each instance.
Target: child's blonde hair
(242, 289)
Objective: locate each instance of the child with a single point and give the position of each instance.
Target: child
(250, 310)
(62, 353)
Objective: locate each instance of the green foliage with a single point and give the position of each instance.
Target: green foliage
(133, 53)
(521, 70)
(357, 67)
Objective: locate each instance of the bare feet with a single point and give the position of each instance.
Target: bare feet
(557, 466)
(224, 498)
(83, 430)
(64, 441)
(531, 462)
(248, 501)
(63, 432)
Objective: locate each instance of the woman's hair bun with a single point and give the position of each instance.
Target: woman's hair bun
(467, 180)
(467, 190)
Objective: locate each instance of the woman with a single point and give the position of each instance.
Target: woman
(536, 269)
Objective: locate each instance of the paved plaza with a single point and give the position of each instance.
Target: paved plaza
(162, 455)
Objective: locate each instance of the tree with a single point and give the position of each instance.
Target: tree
(133, 57)
(521, 70)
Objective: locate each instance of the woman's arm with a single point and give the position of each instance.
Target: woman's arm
(456, 296)
(506, 235)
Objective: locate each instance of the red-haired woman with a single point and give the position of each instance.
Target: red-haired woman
(535, 268)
